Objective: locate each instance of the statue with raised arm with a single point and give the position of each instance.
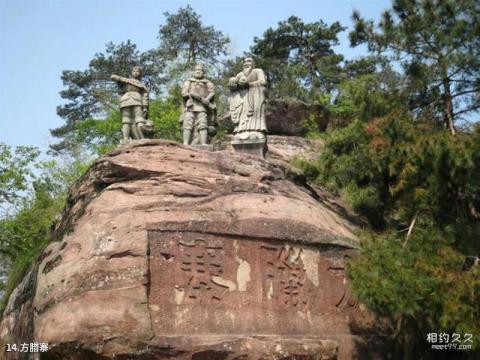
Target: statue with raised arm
(247, 103)
(199, 108)
(133, 104)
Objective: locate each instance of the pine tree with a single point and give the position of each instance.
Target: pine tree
(185, 41)
(298, 57)
(438, 44)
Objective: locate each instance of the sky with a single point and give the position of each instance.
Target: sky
(40, 39)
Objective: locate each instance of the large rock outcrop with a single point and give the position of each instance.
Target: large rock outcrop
(165, 251)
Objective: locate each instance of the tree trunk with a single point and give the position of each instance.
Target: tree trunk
(448, 106)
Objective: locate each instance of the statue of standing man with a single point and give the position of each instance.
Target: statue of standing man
(133, 104)
(247, 103)
(198, 106)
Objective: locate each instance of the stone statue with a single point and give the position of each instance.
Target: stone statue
(199, 108)
(148, 130)
(247, 103)
(133, 104)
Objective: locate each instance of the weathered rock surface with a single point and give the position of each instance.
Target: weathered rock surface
(280, 147)
(165, 251)
(287, 147)
(289, 118)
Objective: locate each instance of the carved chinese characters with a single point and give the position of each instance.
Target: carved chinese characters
(200, 264)
(206, 283)
(287, 273)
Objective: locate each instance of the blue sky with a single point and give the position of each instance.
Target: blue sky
(39, 39)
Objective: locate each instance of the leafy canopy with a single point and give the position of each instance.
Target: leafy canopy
(185, 41)
(15, 171)
(298, 57)
(438, 44)
(25, 229)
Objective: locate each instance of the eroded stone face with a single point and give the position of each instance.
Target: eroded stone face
(165, 251)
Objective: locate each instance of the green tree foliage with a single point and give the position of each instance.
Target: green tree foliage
(298, 57)
(423, 286)
(25, 230)
(99, 136)
(367, 93)
(393, 167)
(419, 187)
(165, 113)
(15, 171)
(438, 44)
(24, 234)
(90, 94)
(15, 177)
(185, 41)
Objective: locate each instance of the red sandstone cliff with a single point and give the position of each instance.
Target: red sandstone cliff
(165, 251)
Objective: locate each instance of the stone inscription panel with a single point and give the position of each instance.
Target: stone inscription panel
(210, 284)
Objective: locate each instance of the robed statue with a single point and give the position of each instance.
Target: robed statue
(247, 103)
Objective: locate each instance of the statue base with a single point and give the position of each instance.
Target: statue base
(208, 147)
(252, 147)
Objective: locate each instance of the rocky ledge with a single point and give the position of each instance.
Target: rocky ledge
(165, 251)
